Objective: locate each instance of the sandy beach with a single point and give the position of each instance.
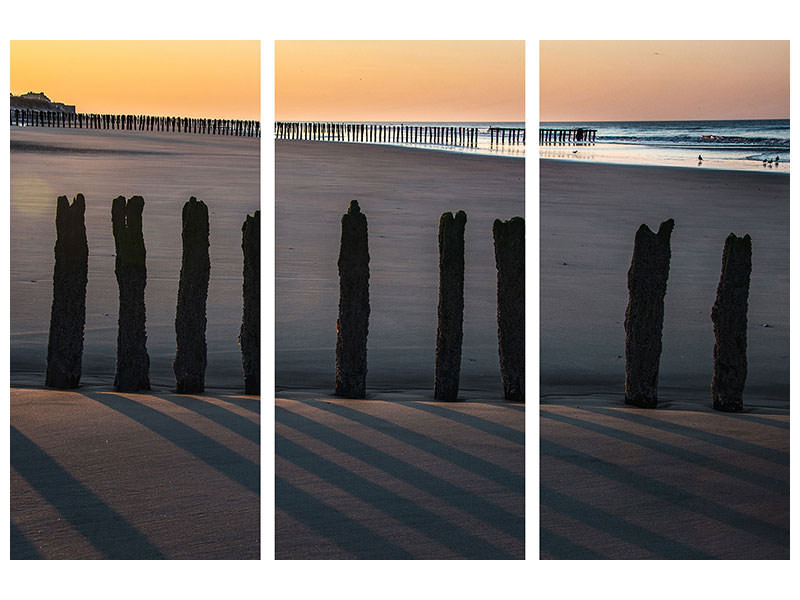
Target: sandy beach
(96, 474)
(165, 169)
(680, 481)
(403, 192)
(396, 475)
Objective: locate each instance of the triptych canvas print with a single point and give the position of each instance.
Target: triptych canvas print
(418, 297)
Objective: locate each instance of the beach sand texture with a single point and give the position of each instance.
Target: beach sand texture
(96, 474)
(396, 475)
(166, 169)
(680, 481)
(403, 193)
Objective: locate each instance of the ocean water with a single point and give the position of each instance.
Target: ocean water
(484, 147)
(165, 169)
(733, 144)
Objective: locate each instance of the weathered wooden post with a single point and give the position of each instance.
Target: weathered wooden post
(133, 362)
(644, 317)
(449, 334)
(729, 315)
(353, 323)
(509, 253)
(68, 311)
(190, 316)
(250, 335)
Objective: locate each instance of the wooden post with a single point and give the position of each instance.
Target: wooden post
(190, 316)
(729, 315)
(509, 252)
(644, 317)
(449, 334)
(352, 324)
(250, 333)
(133, 362)
(68, 311)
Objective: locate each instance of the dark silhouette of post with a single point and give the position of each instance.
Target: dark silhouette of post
(509, 253)
(644, 317)
(729, 315)
(353, 322)
(250, 334)
(133, 363)
(190, 317)
(449, 334)
(68, 312)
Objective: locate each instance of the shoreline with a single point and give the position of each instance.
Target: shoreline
(754, 169)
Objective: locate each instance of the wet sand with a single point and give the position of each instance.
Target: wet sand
(589, 216)
(403, 192)
(164, 168)
(680, 481)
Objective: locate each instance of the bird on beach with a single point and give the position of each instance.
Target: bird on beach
(699, 158)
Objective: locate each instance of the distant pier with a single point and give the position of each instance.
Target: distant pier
(567, 137)
(42, 118)
(466, 137)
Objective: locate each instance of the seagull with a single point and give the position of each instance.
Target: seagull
(699, 158)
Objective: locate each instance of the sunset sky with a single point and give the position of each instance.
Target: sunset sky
(666, 80)
(400, 80)
(214, 79)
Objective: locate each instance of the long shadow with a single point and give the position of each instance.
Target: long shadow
(231, 464)
(254, 406)
(669, 493)
(406, 511)
(221, 416)
(465, 460)
(617, 527)
(561, 548)
(21, 547)
(507, 433)
(346, 533)
(757, 419)
(459, 497)
(770, 483)
(775, 456)
(101, 525)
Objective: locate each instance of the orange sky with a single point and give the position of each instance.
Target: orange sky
(214, 79)
(400, 80)
(667, 80)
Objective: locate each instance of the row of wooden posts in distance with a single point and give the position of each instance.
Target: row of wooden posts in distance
(49, 118)
(567, 137)
(392, 133)
(644, 318)
(70, 276)
(352, 324)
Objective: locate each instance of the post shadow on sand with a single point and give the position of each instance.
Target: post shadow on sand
(228, 462)
(250, 334)
(352, 325)
(449, 334)
(103, 527)
(190, 316)
(729, 315)
(509, 252)
(133, 362)
(644, 317)
(409, 512)
(68, 311)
